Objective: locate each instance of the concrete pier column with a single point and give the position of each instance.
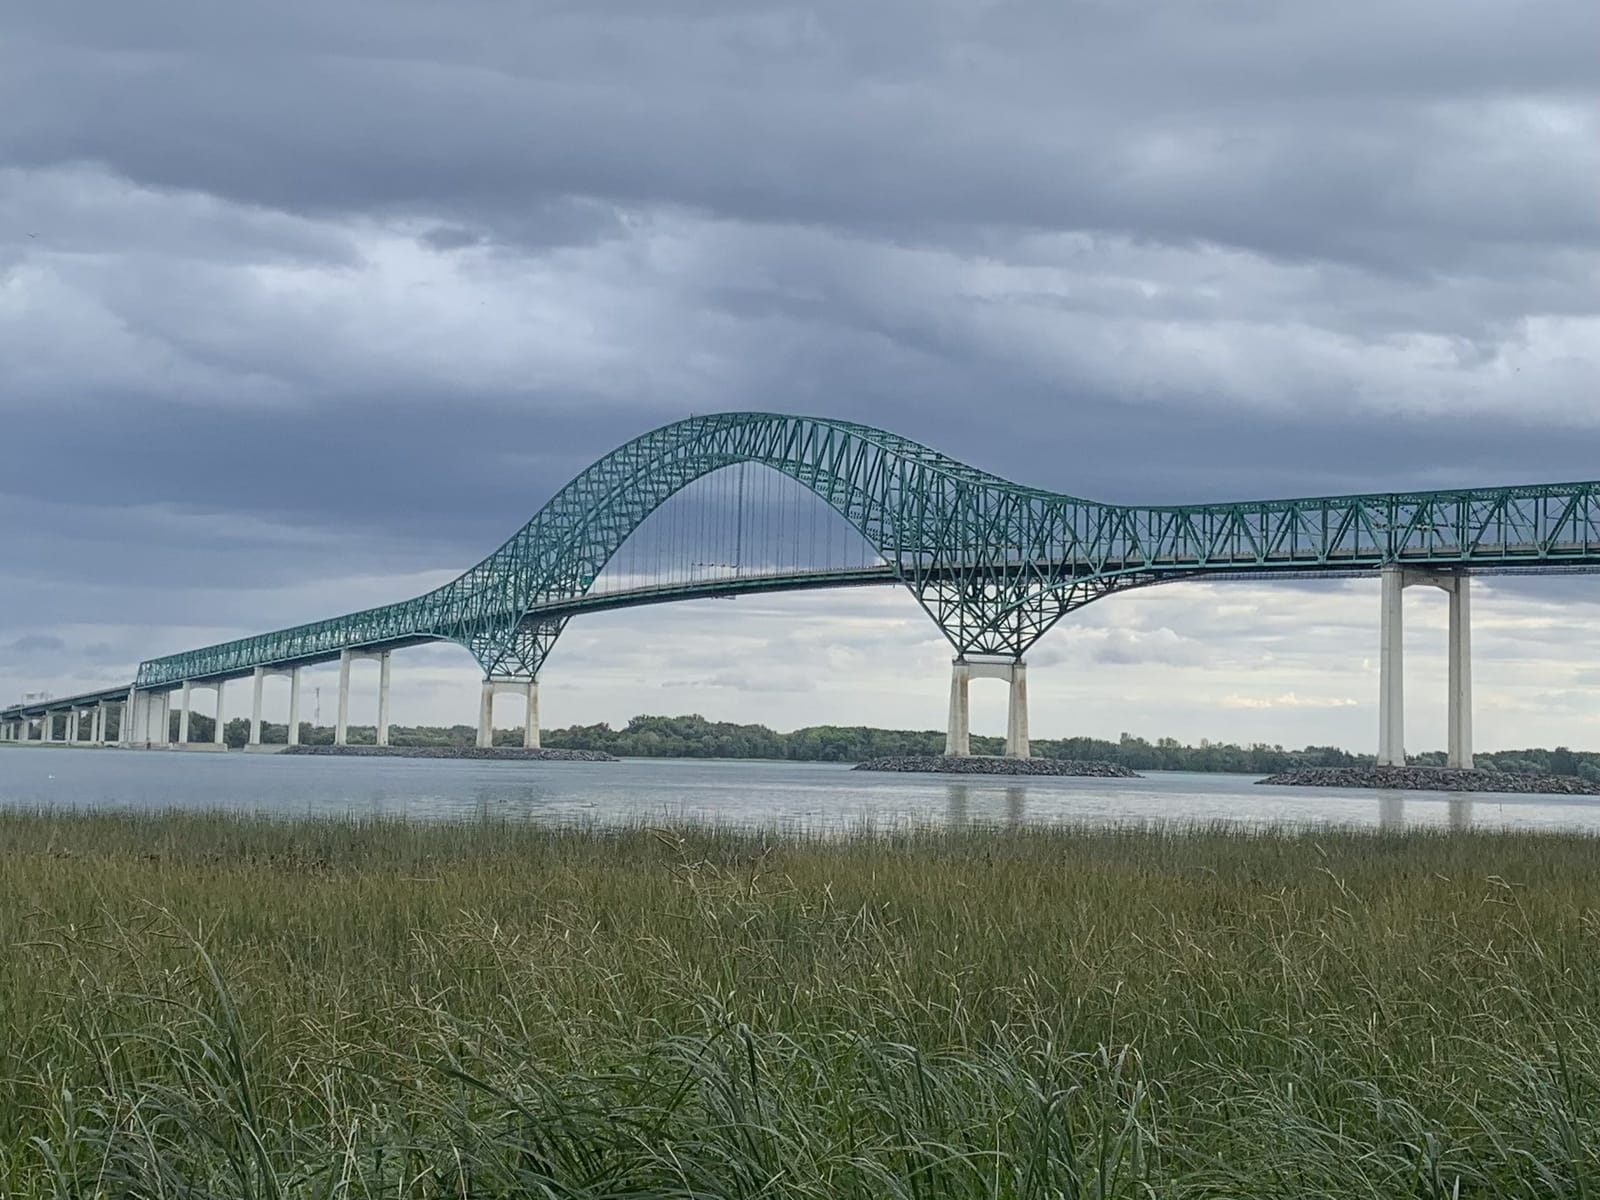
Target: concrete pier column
(486, 715)
(1460, 707)
(97, 726)
(294, 706)
(530, 731)
(216, 736)
(130, 712)
(1391, 670)
(1017, 714)
(183, 714)
(258, 680)
(341, 731)
(383, 699)
(958, 731)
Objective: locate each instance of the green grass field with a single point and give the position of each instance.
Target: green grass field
(199, 1005)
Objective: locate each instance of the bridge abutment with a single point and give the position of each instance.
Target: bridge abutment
(1391, 664)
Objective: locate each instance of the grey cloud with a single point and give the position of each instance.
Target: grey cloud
(755, 681)
(36, 643)
(1306, 138)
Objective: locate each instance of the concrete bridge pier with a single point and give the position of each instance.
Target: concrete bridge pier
(341, 732)
(519, 685)
(135, 728)
(97, 725)
(258, 679)
(382, 732)
(294, 706)
(1391, 664)
(189, 686)
(158, 718)
(958, 735)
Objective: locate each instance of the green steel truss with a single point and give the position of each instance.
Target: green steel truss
(995, 564)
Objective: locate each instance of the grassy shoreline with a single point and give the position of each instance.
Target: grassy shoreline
(205, 1004)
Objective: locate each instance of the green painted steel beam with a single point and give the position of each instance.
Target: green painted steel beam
(994, 563)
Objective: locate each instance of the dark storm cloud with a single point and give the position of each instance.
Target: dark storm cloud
(1350, 133)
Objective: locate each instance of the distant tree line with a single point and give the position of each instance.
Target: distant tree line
(695, 737)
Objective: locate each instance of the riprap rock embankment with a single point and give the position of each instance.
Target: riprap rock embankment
(978, 764)
(1434, 779)
(492, 752)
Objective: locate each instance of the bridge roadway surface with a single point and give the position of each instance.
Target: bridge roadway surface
(995, 564)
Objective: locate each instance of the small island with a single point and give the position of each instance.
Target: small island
(517, 753)
(983, 764)
(1435, 779)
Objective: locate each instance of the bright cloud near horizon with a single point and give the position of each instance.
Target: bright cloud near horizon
(305, 308)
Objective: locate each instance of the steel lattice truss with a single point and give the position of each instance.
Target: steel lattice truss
(994, 563)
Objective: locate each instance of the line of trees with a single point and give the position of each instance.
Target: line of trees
(695, 737)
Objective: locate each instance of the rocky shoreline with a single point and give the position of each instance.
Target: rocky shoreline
(1434, 779)
(516, 753)
(979, 764)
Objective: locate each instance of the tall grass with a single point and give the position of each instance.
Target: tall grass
(203, 1005)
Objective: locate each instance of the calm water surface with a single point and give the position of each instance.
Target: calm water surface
(793, 795)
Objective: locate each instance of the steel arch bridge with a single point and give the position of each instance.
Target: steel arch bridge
(995, 564)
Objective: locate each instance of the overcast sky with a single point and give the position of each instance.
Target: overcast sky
(305, 307)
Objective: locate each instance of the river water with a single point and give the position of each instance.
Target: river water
(810, 796)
